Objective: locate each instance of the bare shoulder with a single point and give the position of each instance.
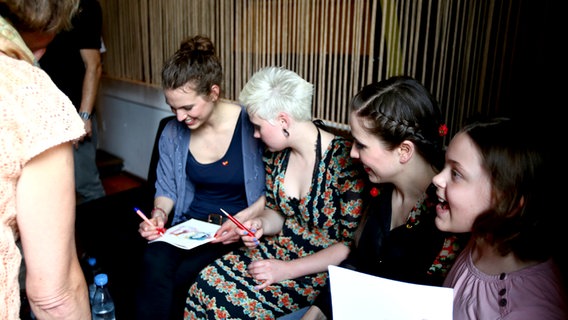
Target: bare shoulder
(234, 106)
(326, 138)
(231, 111)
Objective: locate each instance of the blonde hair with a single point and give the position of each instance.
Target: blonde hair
(274, 89)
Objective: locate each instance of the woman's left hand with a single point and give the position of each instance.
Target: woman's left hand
(255, 226)
(269, 271)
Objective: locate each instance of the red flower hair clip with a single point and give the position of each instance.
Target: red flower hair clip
(443, 130)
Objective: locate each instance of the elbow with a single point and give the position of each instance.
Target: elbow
(341, 252)
(99, 70)
(64, 304)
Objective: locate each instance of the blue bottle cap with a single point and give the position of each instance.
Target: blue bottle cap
(101, 279)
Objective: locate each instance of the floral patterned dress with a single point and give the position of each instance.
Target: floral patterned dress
(329, 214)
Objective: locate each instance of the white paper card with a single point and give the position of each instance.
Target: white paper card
(356, 295)
(189, 234)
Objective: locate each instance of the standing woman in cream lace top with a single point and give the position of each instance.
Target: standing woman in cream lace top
(37, 197)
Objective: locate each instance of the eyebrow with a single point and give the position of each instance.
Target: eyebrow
(458, 166)
(183, 107)
(359, 142)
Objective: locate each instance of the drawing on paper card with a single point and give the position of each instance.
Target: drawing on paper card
(189, 234)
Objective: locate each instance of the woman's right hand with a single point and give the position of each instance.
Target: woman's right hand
(149, 232)
(228, 233)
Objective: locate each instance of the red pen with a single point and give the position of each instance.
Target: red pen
(240, 225)
(161, 231)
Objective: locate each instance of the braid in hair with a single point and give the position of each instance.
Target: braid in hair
(399, 109)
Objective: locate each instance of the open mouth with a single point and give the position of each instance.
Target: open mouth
(442, 204)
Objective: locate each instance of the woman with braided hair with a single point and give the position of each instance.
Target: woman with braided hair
(398, 133)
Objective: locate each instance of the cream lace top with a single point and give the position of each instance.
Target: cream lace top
(34, 116)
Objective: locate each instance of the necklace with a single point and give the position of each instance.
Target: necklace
(318, 153)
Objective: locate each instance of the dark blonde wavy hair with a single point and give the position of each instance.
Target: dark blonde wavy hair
(194, 63)
(39, 15)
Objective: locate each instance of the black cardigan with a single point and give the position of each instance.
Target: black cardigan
(404, 253)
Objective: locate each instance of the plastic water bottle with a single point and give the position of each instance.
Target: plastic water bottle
(94, 270)
(103, 305)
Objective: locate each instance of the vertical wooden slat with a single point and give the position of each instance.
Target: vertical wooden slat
(370, 41)
(321, 95)
(313, 45)
(344, 41)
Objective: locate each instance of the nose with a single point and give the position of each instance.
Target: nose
(354, 153)
(181, 114)
(438, 180)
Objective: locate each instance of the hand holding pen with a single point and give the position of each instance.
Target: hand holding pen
(248, 231)
(148, 224)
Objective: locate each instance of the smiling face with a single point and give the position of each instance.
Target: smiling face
(188, 106)
(379, 163)
(463, 186)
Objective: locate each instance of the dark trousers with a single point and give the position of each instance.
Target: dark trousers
(167, 274)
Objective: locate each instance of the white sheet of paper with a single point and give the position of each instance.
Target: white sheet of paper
(356, 295)
(189, 234)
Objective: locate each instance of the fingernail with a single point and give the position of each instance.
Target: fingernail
(253, 230)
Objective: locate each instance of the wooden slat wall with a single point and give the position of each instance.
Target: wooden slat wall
(458, 48)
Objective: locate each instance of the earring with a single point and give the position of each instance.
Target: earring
(285, 133)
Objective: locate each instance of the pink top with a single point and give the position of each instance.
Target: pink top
(34, 116)
(535, 292)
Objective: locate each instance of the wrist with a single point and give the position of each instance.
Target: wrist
(157, 211)
(85, 115)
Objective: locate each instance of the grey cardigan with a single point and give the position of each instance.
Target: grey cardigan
(172, 181)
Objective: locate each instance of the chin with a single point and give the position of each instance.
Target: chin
(374, 179)
(441, 213)
(192, 125)
(440, 224)
(271, 149)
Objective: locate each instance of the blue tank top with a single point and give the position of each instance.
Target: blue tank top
(219, 184)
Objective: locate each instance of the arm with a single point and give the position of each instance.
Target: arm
(55, 283)
(271, 271)
(318, 261)
(268, 222)
(349, 185)
(93, 71)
